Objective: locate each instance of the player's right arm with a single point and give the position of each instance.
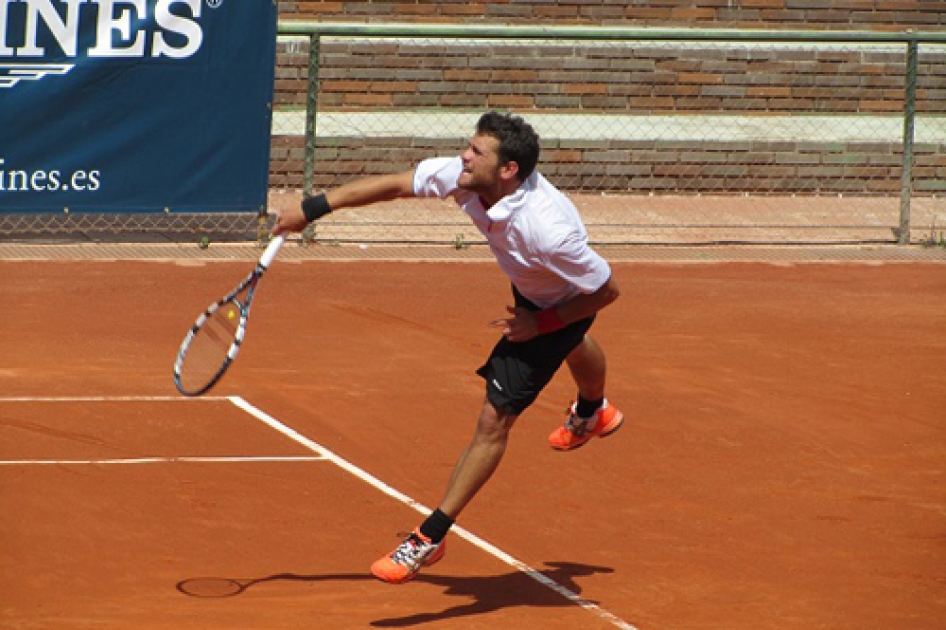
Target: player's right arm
(372, 190)
(355, 194)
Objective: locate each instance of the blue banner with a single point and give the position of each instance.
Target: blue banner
(135, 105)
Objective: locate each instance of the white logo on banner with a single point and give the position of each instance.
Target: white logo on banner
(13, 73)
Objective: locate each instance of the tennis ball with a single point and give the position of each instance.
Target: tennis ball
(231, 314)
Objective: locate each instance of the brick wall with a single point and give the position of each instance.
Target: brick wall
(642, 78)
(638, 77)
(794, 14)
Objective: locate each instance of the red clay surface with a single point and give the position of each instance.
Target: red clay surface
(782, 466)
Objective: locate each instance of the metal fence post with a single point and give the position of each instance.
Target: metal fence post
(311, 108)
(909, 121)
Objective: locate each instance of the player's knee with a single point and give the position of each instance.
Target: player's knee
(494, 422)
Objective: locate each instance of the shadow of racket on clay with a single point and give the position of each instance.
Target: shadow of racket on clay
(219, 587)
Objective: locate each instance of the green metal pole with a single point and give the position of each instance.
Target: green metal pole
(909, 123)
(311, 109)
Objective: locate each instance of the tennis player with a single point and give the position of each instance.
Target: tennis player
(558, 284)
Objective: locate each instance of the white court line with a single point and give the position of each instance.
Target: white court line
(73, 399)
(403, 498)
(137, 460)
(156, 460)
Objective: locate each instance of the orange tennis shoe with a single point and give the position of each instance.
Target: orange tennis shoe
(404, 562)
(577, 431)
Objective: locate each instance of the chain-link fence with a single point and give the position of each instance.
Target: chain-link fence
(659, 136)
(676, 137)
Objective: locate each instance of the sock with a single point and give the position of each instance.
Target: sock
(436, 526)
(587, 408)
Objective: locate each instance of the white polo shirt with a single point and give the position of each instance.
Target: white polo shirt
(535, 233)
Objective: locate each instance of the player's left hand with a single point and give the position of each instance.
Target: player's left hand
(520, 327)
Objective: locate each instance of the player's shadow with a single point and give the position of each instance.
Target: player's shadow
(482, 595)
(489, 594)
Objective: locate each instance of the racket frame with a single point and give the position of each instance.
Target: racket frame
(249, 284)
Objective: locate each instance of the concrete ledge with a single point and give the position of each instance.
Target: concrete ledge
(608, 127)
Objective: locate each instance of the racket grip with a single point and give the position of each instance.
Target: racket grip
(271, 250)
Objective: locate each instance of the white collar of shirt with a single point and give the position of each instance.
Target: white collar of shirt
(504, 209)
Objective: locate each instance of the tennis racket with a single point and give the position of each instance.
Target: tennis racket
(214, 340)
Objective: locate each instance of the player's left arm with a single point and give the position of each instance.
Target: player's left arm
(524, 324)
(587, 304)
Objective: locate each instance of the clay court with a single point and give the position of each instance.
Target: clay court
(783, 466)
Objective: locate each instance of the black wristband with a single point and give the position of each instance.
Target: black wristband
(315, 207)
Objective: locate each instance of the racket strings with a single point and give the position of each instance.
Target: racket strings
(215, 339)
(209, 351)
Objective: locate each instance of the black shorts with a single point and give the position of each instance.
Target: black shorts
(516, 372)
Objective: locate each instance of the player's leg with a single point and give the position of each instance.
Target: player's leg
(480, 460)
(591, 415)
(425, 545)
(589, 367)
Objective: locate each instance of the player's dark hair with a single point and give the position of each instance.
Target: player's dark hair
(518, 141)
